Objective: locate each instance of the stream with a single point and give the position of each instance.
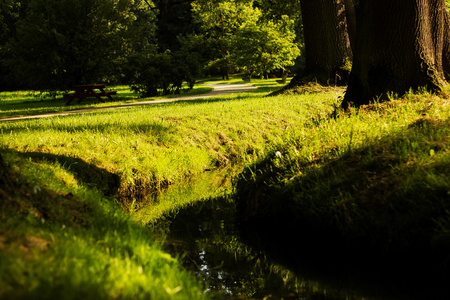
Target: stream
(205, 237)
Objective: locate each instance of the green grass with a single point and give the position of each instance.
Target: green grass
(75, 191)
(25, 103)
(153, 147)
(80, 188)
(60, 239)
(378, 176)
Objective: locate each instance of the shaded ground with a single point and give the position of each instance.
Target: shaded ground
(219, 90)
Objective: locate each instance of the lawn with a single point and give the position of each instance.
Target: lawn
(78, 189)
(71, 186)
(25, 103)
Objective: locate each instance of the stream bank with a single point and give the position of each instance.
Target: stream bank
(242, 263)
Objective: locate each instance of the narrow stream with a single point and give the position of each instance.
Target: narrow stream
(204, 235)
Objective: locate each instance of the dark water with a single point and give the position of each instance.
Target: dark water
(204, 235)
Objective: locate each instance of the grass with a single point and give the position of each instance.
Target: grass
(376, 178)
(63, 240)
(25, 103)
(74, 191)
(79, 188)
(159, 145)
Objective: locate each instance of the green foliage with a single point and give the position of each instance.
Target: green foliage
(164, 73)
(219, 21)
(223, 17)
(63, 43)
(243, 39)
(259, 47)
(274, 10)
(5, 9)
(174, 19)
(8, 17)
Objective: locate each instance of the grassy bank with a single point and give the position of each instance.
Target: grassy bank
(71, 243)
(78, 189)
(76, 186)
(374, 180)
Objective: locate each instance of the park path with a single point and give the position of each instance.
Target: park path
(219, 90)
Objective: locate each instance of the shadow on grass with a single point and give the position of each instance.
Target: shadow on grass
(59, 245)
(380, 210)
(88, 174)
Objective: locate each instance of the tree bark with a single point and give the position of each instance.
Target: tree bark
(399, 45)
(350, 13)
(327, 45)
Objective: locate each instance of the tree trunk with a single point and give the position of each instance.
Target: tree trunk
(399, 45)
(327, 45)
(350, 14)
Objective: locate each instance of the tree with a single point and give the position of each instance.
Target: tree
(9, 12)
(261, 46)
(5, 9)
(398, 46)
(244, 38)
(218, 21)
(327, 46)
(61, 43)
(157, 74)
(174, 19)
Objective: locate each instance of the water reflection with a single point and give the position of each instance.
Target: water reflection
(206, 236)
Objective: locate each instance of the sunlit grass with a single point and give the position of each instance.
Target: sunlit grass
(378, 174)
(24, 103)
(98, 169)
(167, 143)
(83, 184)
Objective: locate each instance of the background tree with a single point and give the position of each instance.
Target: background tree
(275, 11)
(154, 74)
(244, 37)
(9, 15)
(174, 19)
(5, 9)
(61, 43)
(218, 21)
(261, 46)
(327, 46)
(398, 46)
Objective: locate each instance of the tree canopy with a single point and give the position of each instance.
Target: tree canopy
(260, 48)
(55, 44)
(245, 38)
(60, 43)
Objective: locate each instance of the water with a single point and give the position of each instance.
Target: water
(205, 236)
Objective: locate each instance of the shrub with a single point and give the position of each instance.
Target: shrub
(164, 73)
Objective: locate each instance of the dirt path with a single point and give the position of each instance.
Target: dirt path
(219, 90)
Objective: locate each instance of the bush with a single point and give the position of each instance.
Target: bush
(163, 73)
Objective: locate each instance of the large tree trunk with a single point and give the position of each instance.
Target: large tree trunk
(399, 45)
(327, 45)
